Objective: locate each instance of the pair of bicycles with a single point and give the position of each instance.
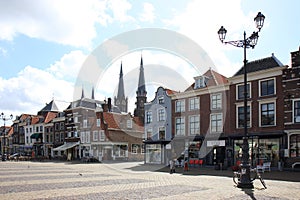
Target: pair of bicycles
(254, 174)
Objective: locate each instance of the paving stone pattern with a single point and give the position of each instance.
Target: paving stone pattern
(50, 180)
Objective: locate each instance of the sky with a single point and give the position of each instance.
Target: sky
(44, 45)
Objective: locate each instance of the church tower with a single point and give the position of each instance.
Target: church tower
(141, 94)
(120, 101)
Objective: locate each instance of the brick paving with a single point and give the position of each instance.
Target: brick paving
(128, 180)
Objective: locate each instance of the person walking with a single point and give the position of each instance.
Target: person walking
(172, 166)
(186, 165)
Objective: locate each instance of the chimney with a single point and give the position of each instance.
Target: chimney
(109, 104)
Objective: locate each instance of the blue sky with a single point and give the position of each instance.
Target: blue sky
(44, 44)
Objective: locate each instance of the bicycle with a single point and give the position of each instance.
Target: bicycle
(237, 177)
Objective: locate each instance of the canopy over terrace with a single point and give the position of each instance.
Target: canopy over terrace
(66, 146)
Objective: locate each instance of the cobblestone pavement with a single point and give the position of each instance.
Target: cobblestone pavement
(50, 180)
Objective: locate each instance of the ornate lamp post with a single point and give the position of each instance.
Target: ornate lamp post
(4, 118)
(245, 181)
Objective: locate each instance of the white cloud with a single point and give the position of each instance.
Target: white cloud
(201, 21)
(3, 52)
(65, 22)
(120, 9)
(148, 13)
(32, 88)
(68, 66)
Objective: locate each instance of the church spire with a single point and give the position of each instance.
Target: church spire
(121, 92)
(141, 94)
(120, 101)
(141, 91)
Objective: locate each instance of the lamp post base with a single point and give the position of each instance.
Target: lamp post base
(245, 180)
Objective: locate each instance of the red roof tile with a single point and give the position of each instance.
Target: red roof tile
(117, 121)
(50, 116)
(11, 131)
(35, 119)
(215, 79)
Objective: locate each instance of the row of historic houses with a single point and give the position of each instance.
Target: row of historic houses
(204, 122)
(207, 119)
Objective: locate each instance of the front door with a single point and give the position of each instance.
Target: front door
(107, 154)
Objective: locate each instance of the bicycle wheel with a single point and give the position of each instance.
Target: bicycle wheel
(235, 178)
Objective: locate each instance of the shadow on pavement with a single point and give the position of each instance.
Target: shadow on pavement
(293, 176)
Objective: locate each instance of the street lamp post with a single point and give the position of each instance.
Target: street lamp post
(4, 118)
(250, 42)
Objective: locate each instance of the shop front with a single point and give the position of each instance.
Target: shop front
(294, 144)
(186, 149)
(109, 151)
(69, 150)
(154, 154)
(261, 149)
(216, 153)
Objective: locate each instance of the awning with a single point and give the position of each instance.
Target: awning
(35, 135)
(65, 146)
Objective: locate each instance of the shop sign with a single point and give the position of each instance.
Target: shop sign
(168, 146)
(212, 143)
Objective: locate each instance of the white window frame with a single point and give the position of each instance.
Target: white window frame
(211, 123)
(159, 129)
(195, 130)
(134, 148)
(161, 114)
(161, 100)
(143, 149)
(294, 119)
(84, 125)
(101, 135)
(237, 115)
(149, 130)
(237, 91)
(200, 82)
(181, 131)
(98, 121)
(181, 107)
(259, 86)
(129, 123)
(95, 136)
(149, 117)
(82, 137)
(218, 104)
(194, 103)
(267, 102)
(87, 136)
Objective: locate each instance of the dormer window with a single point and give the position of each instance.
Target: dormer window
(129, 123)
(161, 100)
(200, 82)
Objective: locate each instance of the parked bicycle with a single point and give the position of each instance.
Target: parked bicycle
(254, 174)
